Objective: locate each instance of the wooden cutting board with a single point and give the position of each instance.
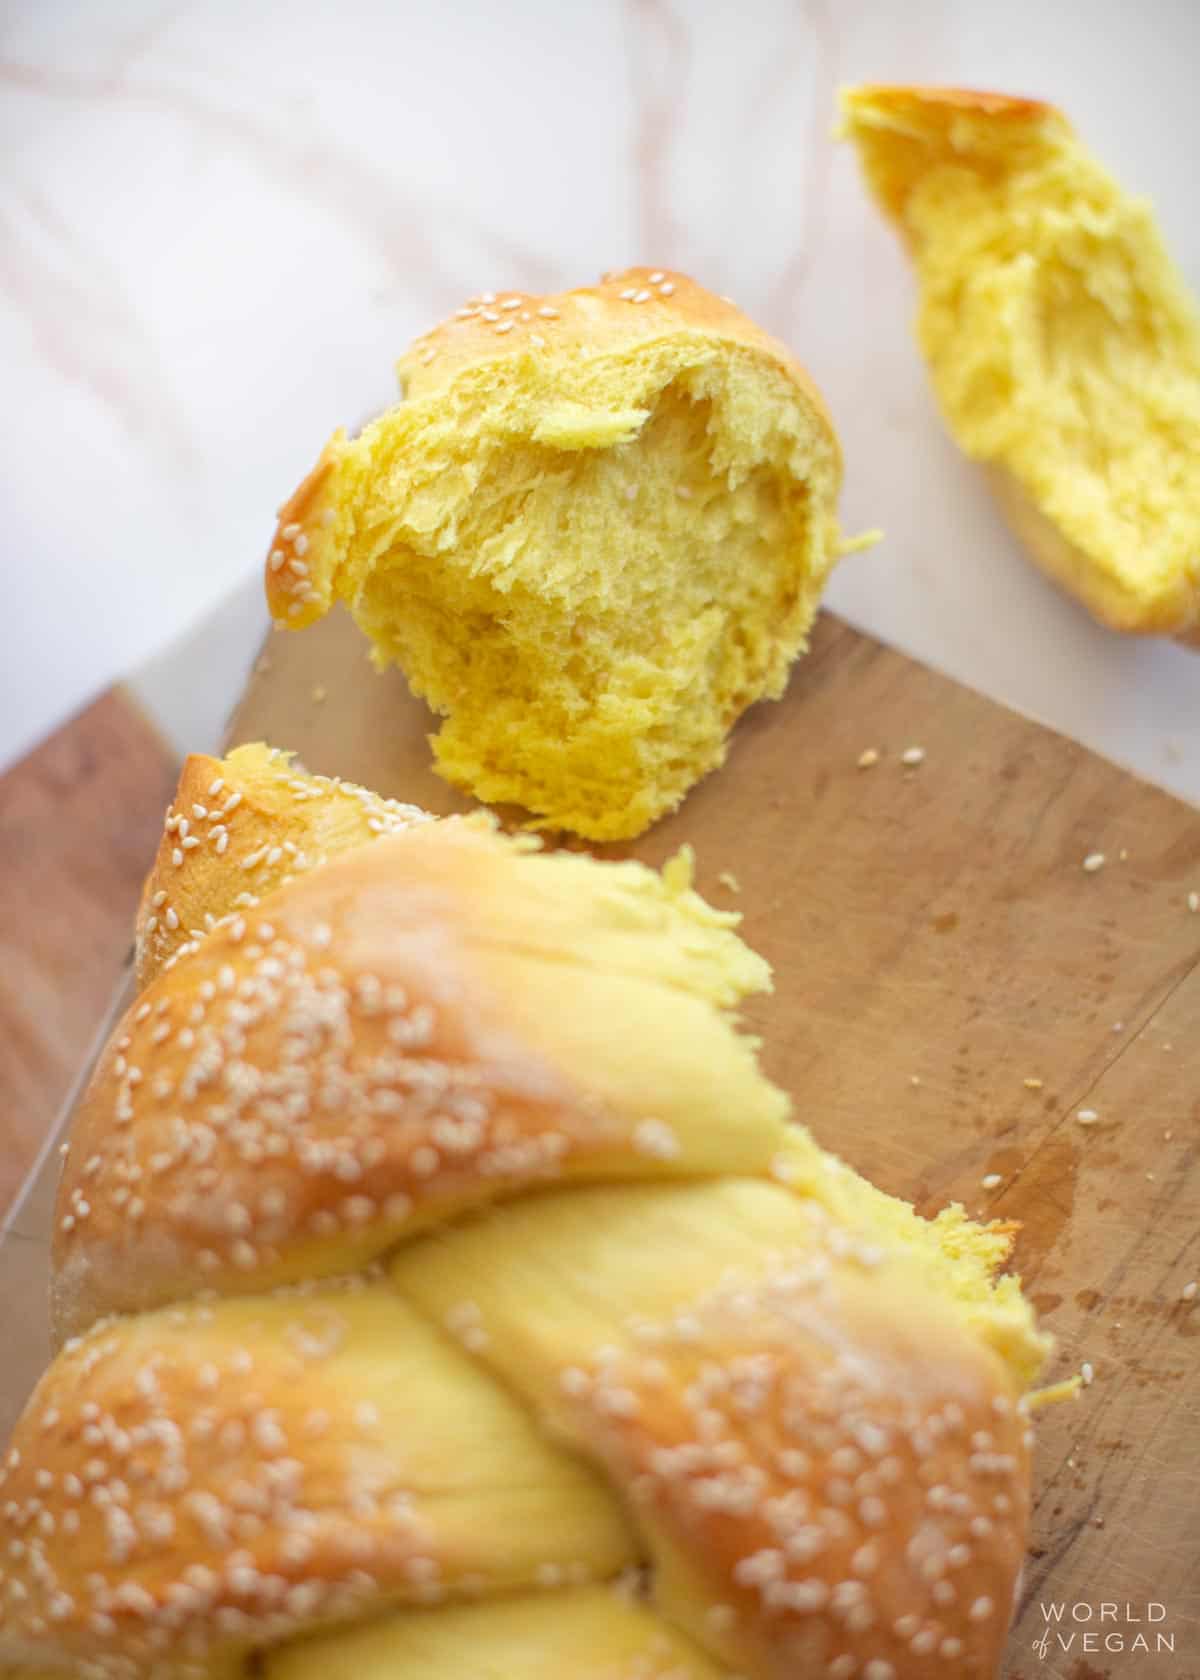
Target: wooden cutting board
(937, 944)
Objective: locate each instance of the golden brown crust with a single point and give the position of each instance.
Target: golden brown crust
(624, 309)
(921, 120)
(210, 1478)
(901, 99)
(364, 1053)
(239, 827)
(878, 1516)
(304, 548)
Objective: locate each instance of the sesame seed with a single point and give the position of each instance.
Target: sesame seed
(991, 1181)
(1087, 1372)
(290, 531)
(667, 288)
(868, 758)
(1032, 1084)
(642, 296)
(176, 857)
(277, 559)
(1193, 902)
(1092, 862)
(1087, 1116)
(657, 1139)
(505, 326)
(1189, 1291)
(912, 756)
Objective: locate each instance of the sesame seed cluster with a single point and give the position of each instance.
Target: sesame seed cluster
(412, 1316)
(237, 829)
(529, 320)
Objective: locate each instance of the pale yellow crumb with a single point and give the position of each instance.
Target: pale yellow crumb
(1068, 1389)
(868, 758)
(865, 539)
(1032, 1084)
(728, 879)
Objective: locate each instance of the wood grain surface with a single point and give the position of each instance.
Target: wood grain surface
(79, 817)
(938, 947)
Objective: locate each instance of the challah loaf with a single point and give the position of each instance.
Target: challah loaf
(592, 534)
(1063, 344)
(482, 1313)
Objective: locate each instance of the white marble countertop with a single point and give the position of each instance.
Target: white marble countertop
(221, 221)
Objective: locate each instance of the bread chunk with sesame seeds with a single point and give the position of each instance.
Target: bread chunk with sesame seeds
(238, 827)
(594, 532)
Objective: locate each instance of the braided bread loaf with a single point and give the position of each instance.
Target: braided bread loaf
(448, 1294)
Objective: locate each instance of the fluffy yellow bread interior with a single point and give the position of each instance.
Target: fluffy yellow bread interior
(595, 531)
(1063, 344)
(589, 1633)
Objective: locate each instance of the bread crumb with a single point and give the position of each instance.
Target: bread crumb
(991, 1181)
(915, 1079)
(1092, 862)
(912, 756)
(1123, 855)
(868, 757)
(728, 879)
(1193, 902)
(1087, 1116)
(1189, 1291)
(1032, 1084)
(319, 693)
(1087, 1372)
